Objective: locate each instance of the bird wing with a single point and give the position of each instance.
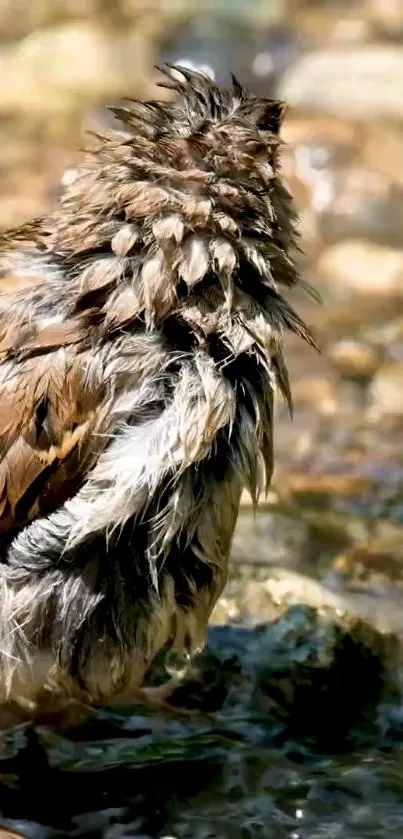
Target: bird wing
(51, 407)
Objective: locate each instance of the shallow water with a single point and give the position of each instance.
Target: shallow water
(297, 733)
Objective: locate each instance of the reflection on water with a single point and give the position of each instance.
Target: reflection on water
(297, 730)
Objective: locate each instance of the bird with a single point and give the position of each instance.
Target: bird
(142, 327)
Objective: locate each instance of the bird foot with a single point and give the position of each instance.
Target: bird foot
(156, 699)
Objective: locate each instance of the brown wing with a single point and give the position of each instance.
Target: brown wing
(50, 412)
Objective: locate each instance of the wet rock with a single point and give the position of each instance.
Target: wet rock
(322, 677)
(362, 82)
(355, 267)
(354, 360)
(285, 588)
(284, 690)
(306, 659)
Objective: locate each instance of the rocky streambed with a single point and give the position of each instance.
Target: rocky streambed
(296, 729)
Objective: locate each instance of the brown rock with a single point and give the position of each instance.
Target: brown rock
(387, 338)
(382, 149)
(19, 17)
(355, 267)
(9, 834)
(285, 588)
(386, 391)
(376, 556)
(354, 360)
(312, 156)
(301, 485)
(362, 203)
(320, 130)
(317, 392)
(57, 68)
(323, 23)
(363, 82)
(18, 209)
(386, 16)
(299, 190)
(269, 537)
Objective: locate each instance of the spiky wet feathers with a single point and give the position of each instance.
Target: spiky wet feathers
(141, 331)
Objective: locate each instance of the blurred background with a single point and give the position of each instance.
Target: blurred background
(339, 66)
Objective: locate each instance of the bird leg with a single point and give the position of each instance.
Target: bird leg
(155, 698)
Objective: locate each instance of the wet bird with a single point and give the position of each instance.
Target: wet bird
(141, 343)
